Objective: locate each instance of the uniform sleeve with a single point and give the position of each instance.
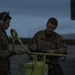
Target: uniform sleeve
(61, 46)
(33, 41)
(6, 53)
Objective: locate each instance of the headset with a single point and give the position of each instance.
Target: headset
(1, 21)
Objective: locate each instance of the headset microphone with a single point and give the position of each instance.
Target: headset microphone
(1, 21)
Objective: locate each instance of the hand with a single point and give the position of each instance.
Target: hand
(51, 51)
(33, 47)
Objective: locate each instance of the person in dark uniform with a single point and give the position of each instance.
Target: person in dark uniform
(49, 41)
(5, 53)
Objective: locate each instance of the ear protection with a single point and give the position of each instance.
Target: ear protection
(1, 21)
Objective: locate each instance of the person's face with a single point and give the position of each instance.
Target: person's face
(50, 28)
(6, 24)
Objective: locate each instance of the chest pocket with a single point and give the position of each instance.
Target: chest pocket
(4, 43)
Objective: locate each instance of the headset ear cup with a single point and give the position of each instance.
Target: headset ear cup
(1, 23)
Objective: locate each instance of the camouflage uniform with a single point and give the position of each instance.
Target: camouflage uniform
(4, 53)
(55, 42)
